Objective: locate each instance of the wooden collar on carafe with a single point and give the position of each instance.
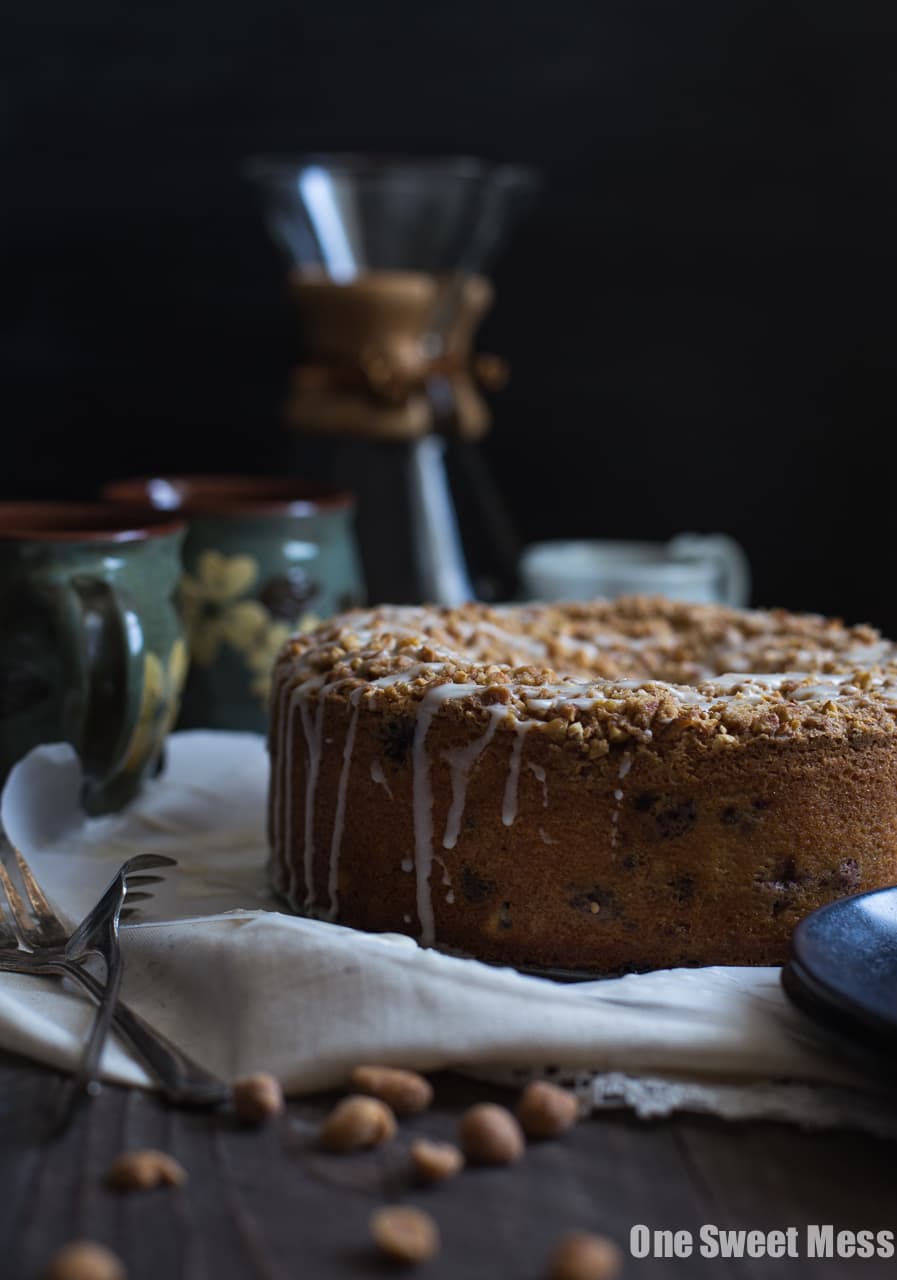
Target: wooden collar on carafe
(367, 371)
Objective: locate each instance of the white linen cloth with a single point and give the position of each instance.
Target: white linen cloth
(241, 986)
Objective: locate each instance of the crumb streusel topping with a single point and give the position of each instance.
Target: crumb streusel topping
(607, 672)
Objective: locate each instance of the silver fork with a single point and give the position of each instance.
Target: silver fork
(37, 942)
(98, 935)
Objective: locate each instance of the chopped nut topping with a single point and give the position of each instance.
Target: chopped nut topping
(606, 673)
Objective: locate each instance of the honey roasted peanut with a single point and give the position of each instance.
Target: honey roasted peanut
(405, 1091)
(545, 1110)
(356, 1123)
(404, 1234)
(582, 1256)
(257, 1098)
(85, 1260)
(436, 1161)
(144, 1169)
(489, 1134)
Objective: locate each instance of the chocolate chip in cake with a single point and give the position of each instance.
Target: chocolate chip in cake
(683, 888)
(474, 887)
(677, 820)
(845, 878)
(849, 874)
(504, 916)
(786, 872)
(645, 802)
(745, 820)
(784, 879)
(397, 735)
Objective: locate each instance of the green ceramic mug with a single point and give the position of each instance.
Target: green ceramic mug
(264, 556)
(91, 647)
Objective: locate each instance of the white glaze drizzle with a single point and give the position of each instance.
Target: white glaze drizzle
(542, 777)
(339, 816)
(312, 728)
(625, 766)
(380, 777)
(279, 798)
(461, 761)
(512, 786)
(422, 789)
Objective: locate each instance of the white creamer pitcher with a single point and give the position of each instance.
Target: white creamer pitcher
(701, 568)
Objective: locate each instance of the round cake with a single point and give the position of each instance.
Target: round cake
(618, 785)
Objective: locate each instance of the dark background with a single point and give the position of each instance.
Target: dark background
(699, 309)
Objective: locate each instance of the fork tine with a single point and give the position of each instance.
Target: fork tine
(32, 888)
(129, 913)
(46, 916)
(137, 879)
(137, 896)
(22, 922)
(144, 860)
(9, 935)
(45, 927)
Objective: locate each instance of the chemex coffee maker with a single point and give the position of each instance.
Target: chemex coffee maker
(387, 259)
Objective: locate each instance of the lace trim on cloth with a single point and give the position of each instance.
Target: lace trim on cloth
(810, 1106)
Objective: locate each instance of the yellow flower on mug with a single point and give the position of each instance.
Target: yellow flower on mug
(160, 701)
(261, 658)
(212, 609)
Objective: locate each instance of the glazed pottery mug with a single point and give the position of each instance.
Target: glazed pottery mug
(91, 647)
(264, 556)
(700, 568)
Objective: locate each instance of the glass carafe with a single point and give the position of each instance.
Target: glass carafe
(387, 272)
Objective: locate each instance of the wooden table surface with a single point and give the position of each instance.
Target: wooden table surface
(266, 1205)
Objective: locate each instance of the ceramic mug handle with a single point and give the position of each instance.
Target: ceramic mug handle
(102, 648)
(729, 557)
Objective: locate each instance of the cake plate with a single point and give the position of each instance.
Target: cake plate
(842, 973)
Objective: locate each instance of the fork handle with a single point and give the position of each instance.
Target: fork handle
(88, 1069)
(182, 1080)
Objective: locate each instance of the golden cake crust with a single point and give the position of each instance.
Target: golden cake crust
(581, 787)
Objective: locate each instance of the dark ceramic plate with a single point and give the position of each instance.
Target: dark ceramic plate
(843, 968)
